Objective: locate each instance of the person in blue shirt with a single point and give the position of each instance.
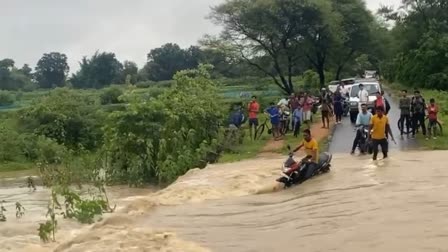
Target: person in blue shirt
(297, 120)
(274, 113)
(363, 121)
(237, 117)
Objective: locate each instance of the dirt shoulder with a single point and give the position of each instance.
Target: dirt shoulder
(322, 135)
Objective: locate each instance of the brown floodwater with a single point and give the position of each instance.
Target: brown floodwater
(390, 205)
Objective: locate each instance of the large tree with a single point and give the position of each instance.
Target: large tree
(102, 69)
(356, 29)
(421, 38)
(286, 32)
(129, 73)
(12, 78)
(52, 70)
(165, 61)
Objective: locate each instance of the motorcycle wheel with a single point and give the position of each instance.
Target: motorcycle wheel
(326, 169)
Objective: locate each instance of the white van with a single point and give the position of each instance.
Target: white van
(372, 88)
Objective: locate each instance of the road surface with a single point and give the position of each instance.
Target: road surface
(344, 134)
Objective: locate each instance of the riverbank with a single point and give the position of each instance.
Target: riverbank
(441, 97)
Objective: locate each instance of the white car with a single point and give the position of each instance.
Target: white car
(372, 88)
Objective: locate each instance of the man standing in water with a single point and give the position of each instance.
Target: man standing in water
(418, 106)
(380, 128)
(405, 112)
(253, 109)
(362, 122)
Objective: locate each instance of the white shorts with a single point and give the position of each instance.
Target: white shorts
(306, 115)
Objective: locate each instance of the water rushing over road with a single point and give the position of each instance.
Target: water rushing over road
(390, 205)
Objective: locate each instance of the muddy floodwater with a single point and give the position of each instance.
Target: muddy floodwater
(399, 204)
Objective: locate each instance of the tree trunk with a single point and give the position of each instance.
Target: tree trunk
(321, 71)
(338, 72)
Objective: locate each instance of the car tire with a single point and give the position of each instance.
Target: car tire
(353, 116)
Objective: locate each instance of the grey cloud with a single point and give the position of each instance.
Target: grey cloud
(79, 28)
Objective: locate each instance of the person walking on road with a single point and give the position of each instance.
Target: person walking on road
(380, 128)
(254, 109)
(405, 112)
(337, 105)
(363, 96)
(418, 105)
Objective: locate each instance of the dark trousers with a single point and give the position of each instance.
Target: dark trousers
(307, 171)
(418, 118)
(296, 128)
(403, 119)
(384, 147)
(357, 139)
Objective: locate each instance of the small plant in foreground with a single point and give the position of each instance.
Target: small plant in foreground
(30, 184)
(47, 230)
(20, 210)
(2, 212)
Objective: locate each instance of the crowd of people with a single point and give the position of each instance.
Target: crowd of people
(290, 113)
(296, 110)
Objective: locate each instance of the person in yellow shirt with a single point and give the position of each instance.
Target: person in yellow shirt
(380, 129)
(312, 152)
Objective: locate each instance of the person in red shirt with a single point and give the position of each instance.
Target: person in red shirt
(433, 109)
(253, 109)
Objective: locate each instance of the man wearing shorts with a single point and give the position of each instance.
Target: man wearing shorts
(254, 109)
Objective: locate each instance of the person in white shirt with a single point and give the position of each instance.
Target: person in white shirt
(343, 90)
(363, 96)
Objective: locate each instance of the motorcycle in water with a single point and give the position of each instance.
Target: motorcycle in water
(291, 169)
(364, 144)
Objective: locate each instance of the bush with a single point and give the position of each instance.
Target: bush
(160, 139)
(30, 87)
(6, 98)
(10, 145)
(66, 116)
(111, 95)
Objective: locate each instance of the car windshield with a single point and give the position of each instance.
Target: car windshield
(371, 88)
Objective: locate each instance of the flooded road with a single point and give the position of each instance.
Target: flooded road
(390, 205)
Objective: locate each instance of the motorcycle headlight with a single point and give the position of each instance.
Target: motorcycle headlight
(354, 103)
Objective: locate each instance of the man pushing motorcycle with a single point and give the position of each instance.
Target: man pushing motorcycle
(362, 123)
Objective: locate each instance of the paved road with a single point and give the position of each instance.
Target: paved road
(344, 134)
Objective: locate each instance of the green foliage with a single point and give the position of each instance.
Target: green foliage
(6, 98)
(10, 147)
(110, 95)
(101, 70)
(66, 116)
(160, 139)
(165, 61)
(310, 80)
(12, 78)
(421, 35)
(52, 70)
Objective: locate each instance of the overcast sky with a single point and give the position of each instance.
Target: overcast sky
(78, 28)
